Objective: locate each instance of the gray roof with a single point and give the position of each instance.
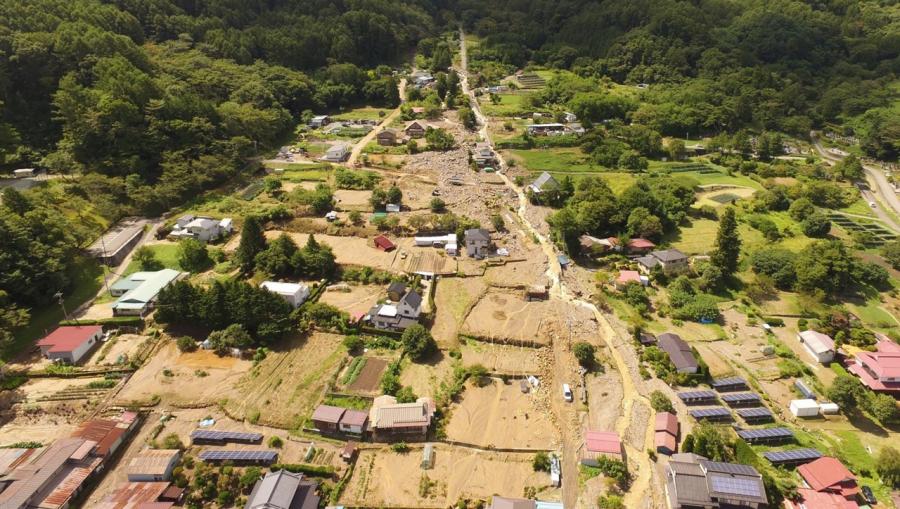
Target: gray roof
(694, 480)
(647, 261)
(283, 490)
(669, 255)
(144, 293)
(478, 234)
(545, 182)
(397, 286)
(679, 351)
(413, 299)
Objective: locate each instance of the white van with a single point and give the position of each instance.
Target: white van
(567, 393)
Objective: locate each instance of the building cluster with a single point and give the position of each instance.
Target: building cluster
(202, 228)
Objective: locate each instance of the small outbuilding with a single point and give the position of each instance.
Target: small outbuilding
(383, 243)
(294, 293)
(69, 343)
(804, 408)
(427, 457)
(153, 465)
(348, 452)
(819, 345)
(601, 443)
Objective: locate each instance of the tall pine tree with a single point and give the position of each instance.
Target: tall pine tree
(253, 241)
(728, 243)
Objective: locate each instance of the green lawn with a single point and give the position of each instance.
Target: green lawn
(721, 179)
(511, 104)
(87, 278)
(364, 113)
(860, 207)
(873, 315)
(167, 254)
(560, 160)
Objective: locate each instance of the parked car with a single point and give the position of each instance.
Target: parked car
(868, 496)
(567, 393)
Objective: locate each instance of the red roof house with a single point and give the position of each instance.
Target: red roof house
(384, 244)
(879, 370)
(601, 443)
(640, 245)
(69, 343)
(829, 475)
(666, 436)
(812, 499)
(627, 276)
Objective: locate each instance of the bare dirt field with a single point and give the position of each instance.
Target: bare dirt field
(359, 299)
(453, 298)
(283, 389)
(604, 400)
(348, 199)
(424, 379)
(193, 378)
(355, 250)
(40, 423)
(123, 347)
(501, 359)
(500, 415)
(370, 376)
(385, 478)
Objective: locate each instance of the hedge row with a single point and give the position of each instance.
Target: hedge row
(133, 321)
(299, 468)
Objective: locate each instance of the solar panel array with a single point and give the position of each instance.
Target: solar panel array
(740, 397)
(755, 413)
(269, 456)
(708, 413)
(735, 486)
(720, 383)
(696, 395)
(752, 435)
(728, 468)
(208, 434)
(793, 456)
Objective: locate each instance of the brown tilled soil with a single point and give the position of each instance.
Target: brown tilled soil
(370, 376)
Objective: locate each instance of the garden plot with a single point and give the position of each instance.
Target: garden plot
(499, 415)
(182, 379)
(723, 195)
(347, 199)
(359, 299)
(282, 390)
(384, 478)
(365, 375)
(501, 359)
(118, 350)
(40, 423)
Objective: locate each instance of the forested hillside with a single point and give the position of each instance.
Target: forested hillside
(715, 65)
(158, 99)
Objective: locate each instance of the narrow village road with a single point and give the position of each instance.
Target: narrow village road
(878, 184)
(386, 121)
(639, 493)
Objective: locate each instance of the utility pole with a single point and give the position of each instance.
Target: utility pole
(62, 303)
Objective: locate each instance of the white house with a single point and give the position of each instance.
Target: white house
(202, 228)
(819, 345)
(478, 241)
(294, 293)
(396, 315)
(337, 153)
(69, 343)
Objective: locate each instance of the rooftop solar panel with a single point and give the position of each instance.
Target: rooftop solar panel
(753, 434)
(755, 412)
(728, 468)
(238, 455)
(792, 456)
(740, 396)
(735, 486)
(697, 395)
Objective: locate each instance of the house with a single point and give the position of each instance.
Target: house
(671, 261)
(639, 245)
(499, 502)
(543, 184)
(69, 343)
(483, 155)
(601, 443)
(592, 245)
(283, 490)
(679, 352)
(666, 433)
(819, 345)
(337, 153)
(812, 499)
(354, 422)
(389, 420)
(879, 370)
(331, 419)
(142, 495)
(141, 299)
(387, 137)
(202, 228)
(627, 277)
(478, 241)
(414, 129)
(396, 315)
(552, 129)
(124, 285)
(383, 243)
(294, 293)
(693, 481)
(396, 290)
(319, 121)
(153, 465)
(829, 475)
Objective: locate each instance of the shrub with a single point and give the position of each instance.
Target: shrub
(418, 342)
(400, 448)
(584, 352)
(541, 462)
(354, 344)
(660, 402)
(171, 441)
(186, 344)
(275, 442)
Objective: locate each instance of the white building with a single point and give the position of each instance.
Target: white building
(804, 408)
(448, 242)
(23, 172)
(337, 153)
(69, 343)
(819, 345)
(294, 293)
(141, 299)
(478, 242)
(202, 228)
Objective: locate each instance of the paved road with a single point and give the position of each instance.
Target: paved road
(361, 144)
(638, 494)
(880, 190)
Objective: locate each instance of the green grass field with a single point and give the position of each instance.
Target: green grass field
(721, 179)
(167, 254)
(363, 113)
(511, 104)
(561, 160)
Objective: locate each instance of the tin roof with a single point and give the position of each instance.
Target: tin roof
(603, 441)
(69, 337)
(153, 462)
(328, 413)
(666, 421)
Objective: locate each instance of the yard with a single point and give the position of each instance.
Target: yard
(511, 104)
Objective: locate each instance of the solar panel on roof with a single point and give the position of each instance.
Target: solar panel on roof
(753, 434)
(238, 455)
(735, 486)
(792, 456)
(741, 396)
(728, 468)
(755, 412)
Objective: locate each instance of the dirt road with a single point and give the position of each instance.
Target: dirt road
(386, 121)
(639, 492)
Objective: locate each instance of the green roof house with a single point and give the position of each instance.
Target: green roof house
(140, 300)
